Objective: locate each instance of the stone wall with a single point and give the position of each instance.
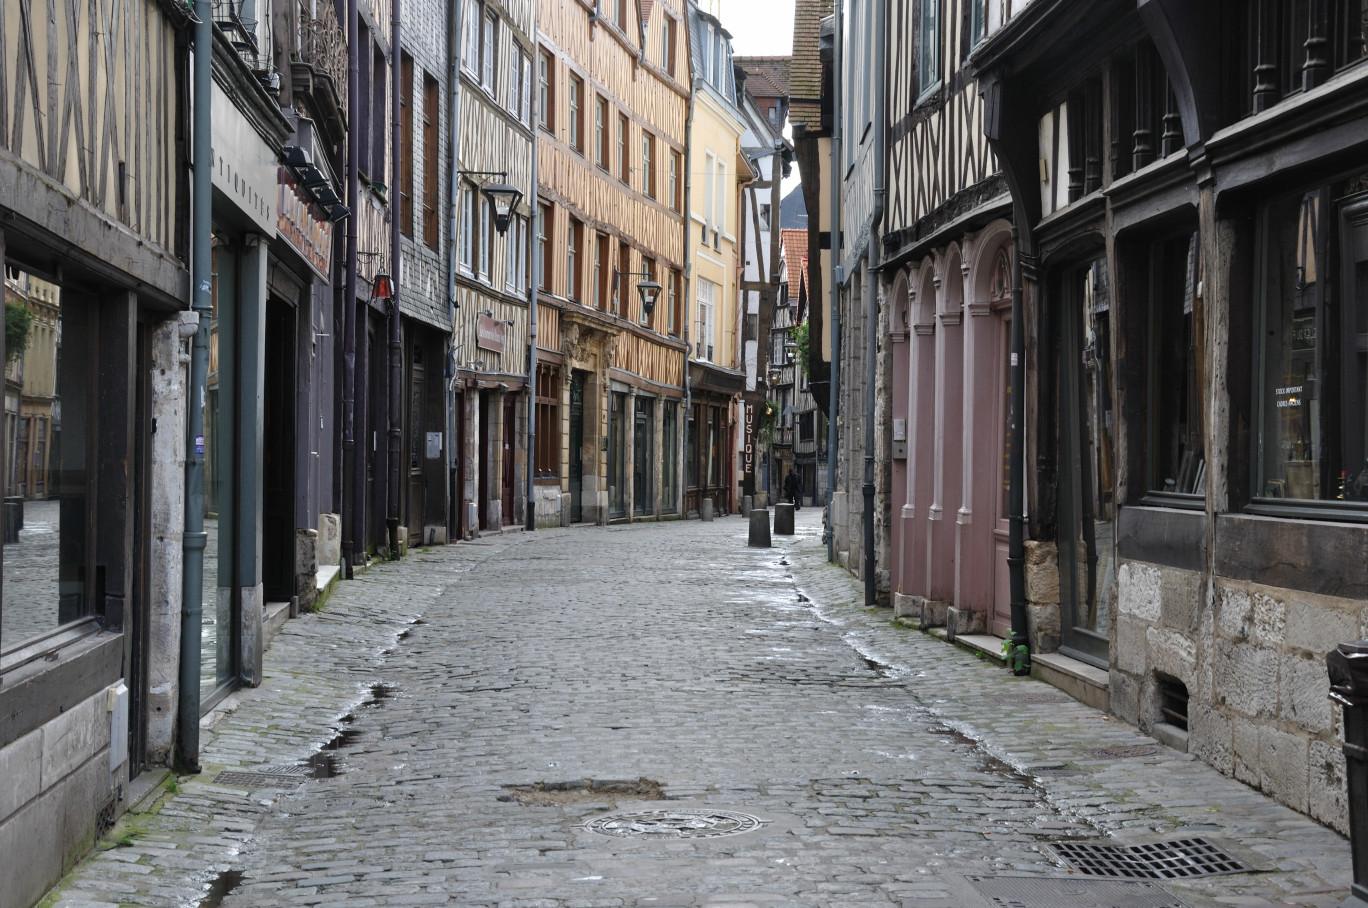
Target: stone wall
(57, 780)
(1252, 658)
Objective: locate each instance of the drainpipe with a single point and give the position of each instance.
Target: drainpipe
(201, 302)
(833, 436)
(396, 347)
(350, 517)
(531, 452)
(872, 308)
(453, 182)
(688, 312)
(1016, 549)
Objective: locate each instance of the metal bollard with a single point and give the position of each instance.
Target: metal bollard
(783, 519)
(759, 529)
(705, 510)
(747, 504)
(1348, 668)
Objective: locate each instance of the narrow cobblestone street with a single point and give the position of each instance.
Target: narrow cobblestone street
(471, 710)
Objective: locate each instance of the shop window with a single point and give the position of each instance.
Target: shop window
(548, 422)
(1311, 443)
(50, 434)
(1177, 457)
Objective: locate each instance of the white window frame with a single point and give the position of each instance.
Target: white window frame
(707, 300)
(489, 50)
(470, 38)
(466, 241)
(929, 45)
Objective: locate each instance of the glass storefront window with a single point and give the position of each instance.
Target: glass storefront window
(1312, 385)
(670, 457)
(1177, 458)
(49, 428)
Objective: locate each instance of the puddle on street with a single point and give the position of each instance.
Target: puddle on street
(223, 884)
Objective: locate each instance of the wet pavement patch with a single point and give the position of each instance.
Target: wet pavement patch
(1057, 892)
(222, 884)
(582, 791)
(680, 823)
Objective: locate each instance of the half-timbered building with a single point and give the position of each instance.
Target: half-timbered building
(491, 265)
(93, 193)
(947, 279)
(1190, 189)
(612, 84)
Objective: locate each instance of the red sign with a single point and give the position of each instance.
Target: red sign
(489, 334)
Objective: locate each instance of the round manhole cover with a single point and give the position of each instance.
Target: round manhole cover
(674, 824)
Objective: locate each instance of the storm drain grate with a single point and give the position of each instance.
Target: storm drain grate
(1177, 859)
(1050, 892)
(1134, 750)
(674, 824)
(275, 779)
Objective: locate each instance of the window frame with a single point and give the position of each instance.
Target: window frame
(575, 99)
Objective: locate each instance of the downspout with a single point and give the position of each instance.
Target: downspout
(872, 309)
(833, 386)
(688, 297)
(1016, 470)
(396, 347)
(531, 451)
(201, 303)
(453, 183)
(350, 517)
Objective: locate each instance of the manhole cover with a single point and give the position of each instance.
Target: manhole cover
(1051, 892)
(674, 824)
(259, 779)
(1134, 750)
(1177, 859)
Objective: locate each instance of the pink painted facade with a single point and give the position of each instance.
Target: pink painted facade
(950, 321)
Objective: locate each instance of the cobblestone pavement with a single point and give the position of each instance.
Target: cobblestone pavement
(473, 709)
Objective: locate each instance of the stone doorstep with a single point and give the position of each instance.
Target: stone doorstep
(326, 576)
(277, 613)
(1083, 682)
(986, 644)
(1079, 680)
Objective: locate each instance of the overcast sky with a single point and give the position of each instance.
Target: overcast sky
(759, 27)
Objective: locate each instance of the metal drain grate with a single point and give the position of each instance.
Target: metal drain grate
(674, 824)
(1177, 859)
(1052, 892)
(260, 779)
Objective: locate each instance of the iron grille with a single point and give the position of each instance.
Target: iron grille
(259, 779)
(1177, 859)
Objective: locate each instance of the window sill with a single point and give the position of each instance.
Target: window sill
(1299, 509)
(1174, 500)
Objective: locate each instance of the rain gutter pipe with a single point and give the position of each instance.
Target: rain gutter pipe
(531, 453)
(688, 314)
(1016, 470)
(201, 303)
(837, 272)
(396, 347)
(453, 196)
(351, 518)
(872, 309)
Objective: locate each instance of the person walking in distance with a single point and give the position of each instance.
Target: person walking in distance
(793, 489)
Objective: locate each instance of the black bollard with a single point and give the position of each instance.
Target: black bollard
(1348, 667)
(783, 519)
(759, 529)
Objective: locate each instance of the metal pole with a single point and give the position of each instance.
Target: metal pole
(833, 436)
(1016, 557)
(201, 302)
(1347, 665)
(396, 348)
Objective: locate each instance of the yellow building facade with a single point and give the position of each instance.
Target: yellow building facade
(717, 170)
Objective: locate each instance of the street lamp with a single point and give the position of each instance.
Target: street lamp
(648, 289)
(382, 288)
(503, 197)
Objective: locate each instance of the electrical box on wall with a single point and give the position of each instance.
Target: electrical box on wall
(899, 450)
(900, 430)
